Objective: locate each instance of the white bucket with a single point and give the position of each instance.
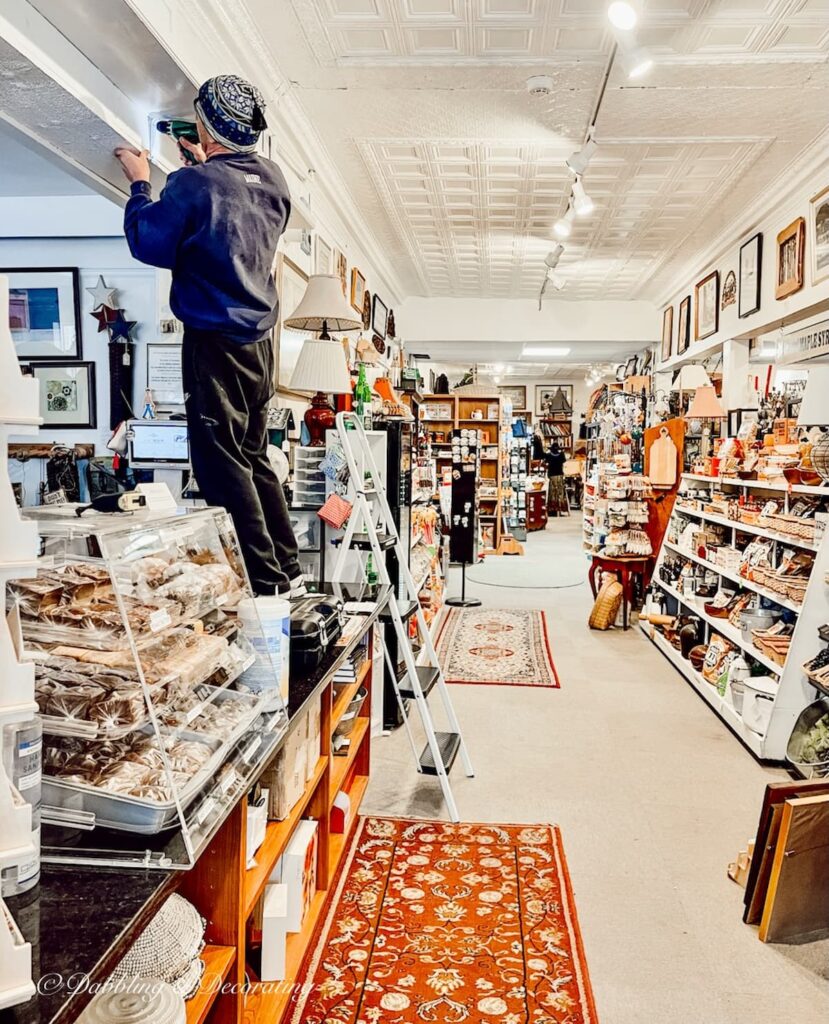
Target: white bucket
(758, 702)
(266, 622)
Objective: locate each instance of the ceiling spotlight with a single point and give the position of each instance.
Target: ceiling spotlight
(637, 62)
(564, 226)
(582, 203)
(498, 367)
(579, 161)
(622, 14)
(553, 256)
(556, 280)
(497, 379)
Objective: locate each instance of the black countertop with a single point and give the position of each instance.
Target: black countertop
(81, 920)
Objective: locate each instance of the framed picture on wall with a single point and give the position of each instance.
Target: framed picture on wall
(67, 393)
(819, 235)
(379, 317)
(683, 332)
(358, 290)
(44, 312)
(751, 263)
(323, 255)
(341, 269)
(667, 333)
(290, 282)
(555, 400)
(516, 393)
(790, 244)
(707, 306)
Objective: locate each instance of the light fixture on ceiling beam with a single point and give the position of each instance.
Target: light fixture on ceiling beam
(553, 256)
(556, 280)
(530, 351)
(582, 203)
(636, 62)
(623, 14)
(563, 227)
(579, 161)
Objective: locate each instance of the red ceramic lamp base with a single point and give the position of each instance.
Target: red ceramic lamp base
(319, 418)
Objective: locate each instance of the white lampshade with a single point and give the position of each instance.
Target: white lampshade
(323, 304)
(321, 366)
(705, 406)
(814, 409)
(691, 377)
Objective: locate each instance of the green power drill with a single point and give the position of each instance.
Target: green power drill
(178, 129)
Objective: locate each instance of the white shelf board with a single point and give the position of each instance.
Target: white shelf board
(722, 706)
(759, 485)
(735, 577)
(722, 626)
(758, 531)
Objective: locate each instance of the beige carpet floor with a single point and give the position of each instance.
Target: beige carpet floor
(654, 797)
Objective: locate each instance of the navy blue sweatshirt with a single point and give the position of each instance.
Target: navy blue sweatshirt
(216, 226)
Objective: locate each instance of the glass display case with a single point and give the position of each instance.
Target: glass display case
(155, 684)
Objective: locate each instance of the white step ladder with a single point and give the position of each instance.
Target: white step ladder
(374, 536)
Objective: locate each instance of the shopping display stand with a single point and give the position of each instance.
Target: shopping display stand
(18, 551)
(794, 690)
(463, 521)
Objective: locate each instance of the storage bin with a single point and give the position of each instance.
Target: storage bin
(807, 719)
(758, 702)
(352, 713)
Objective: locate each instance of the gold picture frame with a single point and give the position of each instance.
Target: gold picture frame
(707, 306)
(667, 333)
(358, 290)
(791, 245)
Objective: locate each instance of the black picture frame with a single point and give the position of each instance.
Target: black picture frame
(749, 304)
(91, 422)
(667, 334)
(77, 353)
(379, 316)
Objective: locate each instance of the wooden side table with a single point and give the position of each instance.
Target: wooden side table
(626, 568)
(536, 510)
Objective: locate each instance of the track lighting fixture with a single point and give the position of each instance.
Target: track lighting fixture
(556, 280)
(623, 14)
(582, 203)
(579, 161)
(553, 256)
(563, 227)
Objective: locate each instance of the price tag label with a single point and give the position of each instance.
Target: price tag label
(221, 599)
(251, 748)
(206, 809)
(228, 781)
(159, 619)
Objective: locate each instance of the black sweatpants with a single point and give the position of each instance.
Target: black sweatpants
(228, 387)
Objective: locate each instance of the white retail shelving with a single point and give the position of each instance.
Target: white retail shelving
(18, 551)
(794, 691)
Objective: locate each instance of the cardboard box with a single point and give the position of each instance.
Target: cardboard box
(312, 738)
(274, 932)
(299, 872)
(285, 776)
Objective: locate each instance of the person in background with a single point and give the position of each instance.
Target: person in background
(216, 225)
(556, 494)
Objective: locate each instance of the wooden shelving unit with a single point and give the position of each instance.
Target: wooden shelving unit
(227, 893)
(492, 469)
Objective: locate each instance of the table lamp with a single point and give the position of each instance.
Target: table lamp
(690, 377)
(814, 412)
(705, 406)
(321, 366)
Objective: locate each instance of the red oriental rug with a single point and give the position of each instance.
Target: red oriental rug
(456, 924)
(500, 646)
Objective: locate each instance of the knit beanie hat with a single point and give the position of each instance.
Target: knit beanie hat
(233, 111)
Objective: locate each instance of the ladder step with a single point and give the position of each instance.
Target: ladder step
(362, 541)
(406, 611)
(449, 744)
(428, 676)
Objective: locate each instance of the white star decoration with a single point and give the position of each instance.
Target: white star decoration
(101, 295)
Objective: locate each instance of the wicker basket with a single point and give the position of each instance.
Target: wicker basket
(608, 602)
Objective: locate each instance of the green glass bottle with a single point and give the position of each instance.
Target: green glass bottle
(371, 573)
(362, 397)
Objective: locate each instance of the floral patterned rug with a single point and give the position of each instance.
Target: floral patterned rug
(455, 924)
(501, 646)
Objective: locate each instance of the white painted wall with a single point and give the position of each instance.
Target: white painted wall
(772, 213)
(421, 320)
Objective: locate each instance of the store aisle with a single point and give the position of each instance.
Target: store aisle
(653, 795)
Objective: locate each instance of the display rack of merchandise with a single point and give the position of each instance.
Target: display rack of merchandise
(18, 551)
(309, 479)
(155, 683)
(738, 597)
(491, 417)
(516, 498)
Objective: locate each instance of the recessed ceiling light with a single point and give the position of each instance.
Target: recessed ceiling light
(528, 351)
(622, 14)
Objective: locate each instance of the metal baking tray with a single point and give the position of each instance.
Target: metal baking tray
(130, 814)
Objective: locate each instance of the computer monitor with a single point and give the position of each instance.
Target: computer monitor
(158, 444)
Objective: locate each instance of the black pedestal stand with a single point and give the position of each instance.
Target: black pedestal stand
(463, 601)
